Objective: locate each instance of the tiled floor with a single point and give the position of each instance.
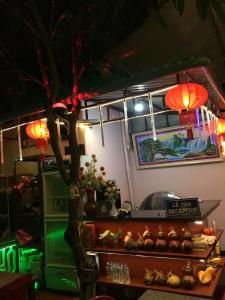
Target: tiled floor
(62, 296)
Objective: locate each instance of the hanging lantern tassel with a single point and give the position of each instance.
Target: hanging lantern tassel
(42, 145)
(188, 119)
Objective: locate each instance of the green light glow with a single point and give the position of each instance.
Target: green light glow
(7, 247)
(57, 234)
(36, 285)
(8, 258)
(27, 257)
(27, 251)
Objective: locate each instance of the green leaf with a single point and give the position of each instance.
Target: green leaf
(202, 8)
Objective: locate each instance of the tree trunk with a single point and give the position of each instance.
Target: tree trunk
(87, 269)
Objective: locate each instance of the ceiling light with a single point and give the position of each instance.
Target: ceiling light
(139, 107)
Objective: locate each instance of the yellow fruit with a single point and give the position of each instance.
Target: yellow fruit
(104, 234)
(204, 277)
(211, 270)
(217, 261)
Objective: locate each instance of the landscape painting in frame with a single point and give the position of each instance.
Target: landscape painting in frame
(172, 147)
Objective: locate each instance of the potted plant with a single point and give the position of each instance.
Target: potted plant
(111, 194)
(90, 180)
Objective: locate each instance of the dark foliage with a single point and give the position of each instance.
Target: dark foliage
(92, 28)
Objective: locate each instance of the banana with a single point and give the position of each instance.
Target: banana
(104, 234)
(217, 261)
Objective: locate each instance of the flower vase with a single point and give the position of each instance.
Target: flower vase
(114, 211)
(90, 207)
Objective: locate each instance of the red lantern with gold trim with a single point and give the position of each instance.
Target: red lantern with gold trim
(38, 131)
(185, 98)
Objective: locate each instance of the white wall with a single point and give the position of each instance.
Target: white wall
(111, 156)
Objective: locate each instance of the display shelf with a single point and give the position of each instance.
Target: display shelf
(61, 278)
(31, 246)
(61, 266)
(56, 216)
(138, 225)
(138, 260)
(59, 197)
(137, 267)
(55, 195)
(195, 254)
(200, 290)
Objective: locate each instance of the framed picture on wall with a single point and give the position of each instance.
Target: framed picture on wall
(172, 148)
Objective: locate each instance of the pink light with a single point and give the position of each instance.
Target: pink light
(59, 105)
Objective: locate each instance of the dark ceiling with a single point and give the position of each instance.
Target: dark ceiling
(159, 57)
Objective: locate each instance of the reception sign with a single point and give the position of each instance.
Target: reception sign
(182, 208)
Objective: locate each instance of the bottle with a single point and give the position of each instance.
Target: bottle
(214, 226)
(108, 271)
(126, 274)
(217, 249)
(121, 273)
(114, 272)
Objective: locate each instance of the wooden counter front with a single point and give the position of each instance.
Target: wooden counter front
(15, 286)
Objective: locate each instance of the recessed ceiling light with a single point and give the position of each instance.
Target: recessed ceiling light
(139, 107)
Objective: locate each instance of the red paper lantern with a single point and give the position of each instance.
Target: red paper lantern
(37, 130)
(186, 96)
(220, 126)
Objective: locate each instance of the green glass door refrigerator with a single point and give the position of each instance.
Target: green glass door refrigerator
(60, 272)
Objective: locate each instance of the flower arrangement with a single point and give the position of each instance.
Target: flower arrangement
(90, 177)
(110, 189)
